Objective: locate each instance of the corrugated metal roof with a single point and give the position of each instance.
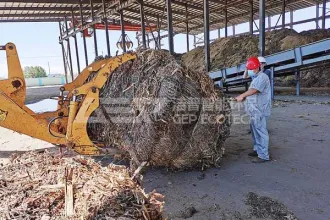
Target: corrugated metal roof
(56, 10)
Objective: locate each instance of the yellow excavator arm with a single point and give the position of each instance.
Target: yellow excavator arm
(67, 126)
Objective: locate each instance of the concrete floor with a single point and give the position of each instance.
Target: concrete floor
(298, 176)
(34, 94)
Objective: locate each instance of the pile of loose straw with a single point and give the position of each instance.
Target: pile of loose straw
(41, 186)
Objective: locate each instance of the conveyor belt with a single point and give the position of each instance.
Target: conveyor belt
(282, 64)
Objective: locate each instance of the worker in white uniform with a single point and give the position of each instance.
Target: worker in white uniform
(258, 105)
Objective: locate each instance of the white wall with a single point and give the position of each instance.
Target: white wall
(45, 81)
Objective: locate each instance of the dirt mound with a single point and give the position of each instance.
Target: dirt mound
(274, 40)
(37, 186)
(228, 52)
(224, 52)
(163, 114)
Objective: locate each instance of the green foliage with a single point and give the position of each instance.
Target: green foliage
(34, 72)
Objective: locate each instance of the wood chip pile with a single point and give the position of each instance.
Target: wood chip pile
(40, 186)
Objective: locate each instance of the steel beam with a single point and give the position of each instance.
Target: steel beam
(105, 20)
(143, 25)
(75, 41)
(39, 20)
(123, 35)
(251, 17)
(69, 48)
(44, 15)
(161, 9)
(262, 14)
(94, 30)
(66, 2)
(207, 35)
(283, 13)
(55, 8)
(110, 12)
(187, 28)
(84, 38)
(63, 53)
(324, 11)
(170, 26)
(183, 3)
(287, 25)
(232, 4)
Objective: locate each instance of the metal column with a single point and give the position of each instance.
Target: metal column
(272, 82)
(251, 17)
(63, 53)
(291, 19)
(148, 40)
(219, 33)
(298, 82)
(283, 14)
(170, 26)
(207, 35)
(262, 11)
(106, 24)
(143, 26)
(269, 23)
(324, 11)
(234, 32)
(317, 15)
(84, 37)
(194, 41)
(187, 28)
(69, 48)
(123, 35)
(94, 30)
(75, 40)
(226, 20)
(158, 33)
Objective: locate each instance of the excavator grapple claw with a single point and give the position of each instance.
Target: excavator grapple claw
(66, 126)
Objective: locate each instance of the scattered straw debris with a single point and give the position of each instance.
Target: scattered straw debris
(266, 208)
(38, 186)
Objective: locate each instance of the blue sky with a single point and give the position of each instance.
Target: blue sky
(37, 43)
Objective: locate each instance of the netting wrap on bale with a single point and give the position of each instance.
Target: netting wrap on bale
(162, 113)
(33, 186)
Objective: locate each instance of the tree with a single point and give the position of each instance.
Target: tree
(34, 72)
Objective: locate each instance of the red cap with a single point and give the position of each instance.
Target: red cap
(253, 63)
